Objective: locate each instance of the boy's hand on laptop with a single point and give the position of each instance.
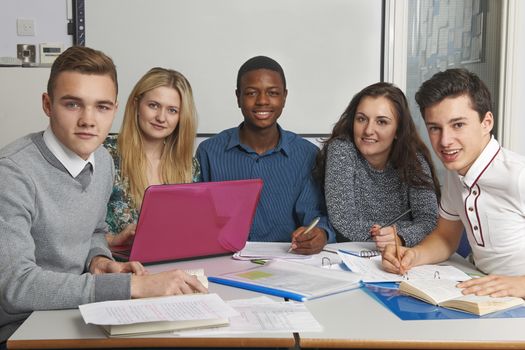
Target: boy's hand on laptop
(102, 264)
(125, 237)
(171, 282)
(308, 243)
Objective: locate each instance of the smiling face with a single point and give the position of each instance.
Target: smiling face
(81, 110)
(261, 98)
(375, 125)
(457, 135)
(158, 113)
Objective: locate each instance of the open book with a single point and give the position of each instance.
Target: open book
(290, 280)
(445, 293)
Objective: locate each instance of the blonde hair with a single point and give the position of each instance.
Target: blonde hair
(177, 155)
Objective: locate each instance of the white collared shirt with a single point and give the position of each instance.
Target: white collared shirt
(73, 163)
(490, 202)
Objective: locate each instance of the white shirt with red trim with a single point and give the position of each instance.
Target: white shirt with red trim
(490, 201)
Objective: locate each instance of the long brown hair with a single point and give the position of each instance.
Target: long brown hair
(405, 147)
(177, 156)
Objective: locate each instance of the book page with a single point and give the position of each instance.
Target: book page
(482, 304)
(171, 308)
(262, 314)
(199, 273)
(438, 289)
(371, 270)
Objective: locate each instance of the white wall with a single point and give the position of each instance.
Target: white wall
(329, 50)
(50, 23)
(20, 102)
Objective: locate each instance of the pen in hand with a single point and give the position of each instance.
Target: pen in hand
(397, 218)
(377, 228)
(310, 227)
(398, 253)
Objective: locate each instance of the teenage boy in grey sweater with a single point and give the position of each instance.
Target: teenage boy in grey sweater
(53, 194)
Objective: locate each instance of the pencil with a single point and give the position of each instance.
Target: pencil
(397, 218)
(398, 256)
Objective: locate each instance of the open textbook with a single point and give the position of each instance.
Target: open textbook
(445, 293)
(156, 315)
(370, 270)
(290, 279)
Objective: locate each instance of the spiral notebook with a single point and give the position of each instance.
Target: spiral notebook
(186, 221)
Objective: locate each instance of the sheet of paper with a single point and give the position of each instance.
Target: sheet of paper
(262, 314)
(172, 308)
(370, 270)
(267, 250)
(351, 246)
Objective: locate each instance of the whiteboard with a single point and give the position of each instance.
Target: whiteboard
(329, 50)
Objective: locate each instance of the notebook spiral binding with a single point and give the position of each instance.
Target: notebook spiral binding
(369, 253)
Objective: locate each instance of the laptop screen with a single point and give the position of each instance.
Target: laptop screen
(184, 221)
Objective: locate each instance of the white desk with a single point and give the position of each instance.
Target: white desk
(66, 329)
(355, 320)
(350, 320)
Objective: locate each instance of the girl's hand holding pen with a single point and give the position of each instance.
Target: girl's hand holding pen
(398, 265)
(383, 236)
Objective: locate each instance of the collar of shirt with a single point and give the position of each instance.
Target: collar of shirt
(481, 163)
(283, 145)
(70, 160)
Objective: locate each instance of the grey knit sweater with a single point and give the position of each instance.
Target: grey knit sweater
(358, 196)
(50, 229)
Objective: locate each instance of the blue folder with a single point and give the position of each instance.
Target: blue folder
(408, 308)
(265, 290)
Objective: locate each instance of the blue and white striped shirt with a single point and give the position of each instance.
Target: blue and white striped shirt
(290, 197)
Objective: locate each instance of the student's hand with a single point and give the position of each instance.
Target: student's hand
(383, 236)
(308, 243)
(125, 237)
(101, 264)
(495, 286)
(165, 283)
(408, 257)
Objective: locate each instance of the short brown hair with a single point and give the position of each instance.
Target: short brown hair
(83, 60)
(454, 82)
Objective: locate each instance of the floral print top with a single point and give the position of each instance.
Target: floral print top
(121, 210)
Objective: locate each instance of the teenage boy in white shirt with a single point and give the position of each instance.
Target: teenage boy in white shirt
(484, 191)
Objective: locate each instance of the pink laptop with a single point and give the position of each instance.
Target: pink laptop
(193, 220)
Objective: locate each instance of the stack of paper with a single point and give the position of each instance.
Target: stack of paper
(263, 315)
(154, 315)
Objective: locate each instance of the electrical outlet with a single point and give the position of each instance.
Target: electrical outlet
(25, 27)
